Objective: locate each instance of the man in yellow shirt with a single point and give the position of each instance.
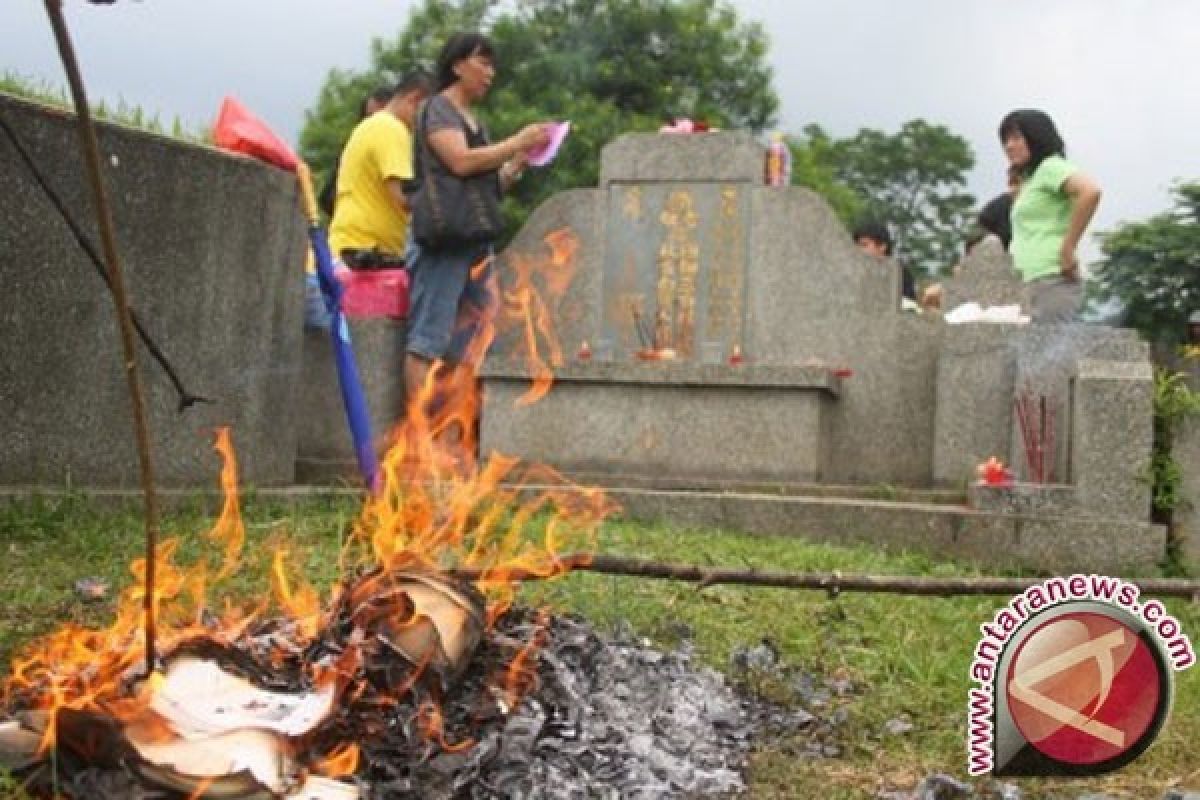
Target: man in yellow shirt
(370, 219)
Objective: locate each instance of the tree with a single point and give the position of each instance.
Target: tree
(913, 180)
(610, 66)
(814, 165)
(1152, 269)
(327, 126)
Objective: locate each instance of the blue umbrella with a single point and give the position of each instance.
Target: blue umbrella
(355, 402)
(239, 130)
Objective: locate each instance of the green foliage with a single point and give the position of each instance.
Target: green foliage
(609, 67)
(1152, 268)
(1174, 402)
(814, 164)
(123, 113)
(914, 180)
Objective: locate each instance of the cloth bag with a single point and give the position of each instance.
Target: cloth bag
(448, 210)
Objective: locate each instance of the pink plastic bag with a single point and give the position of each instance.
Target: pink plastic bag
(374, 292)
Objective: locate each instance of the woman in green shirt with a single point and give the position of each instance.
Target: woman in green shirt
(1052, 210)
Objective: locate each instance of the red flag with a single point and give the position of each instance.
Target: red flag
(242, 132)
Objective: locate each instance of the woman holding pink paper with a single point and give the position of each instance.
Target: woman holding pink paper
(453, 287)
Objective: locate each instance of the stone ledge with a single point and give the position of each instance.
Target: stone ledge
(681, 373)
(1043, 543)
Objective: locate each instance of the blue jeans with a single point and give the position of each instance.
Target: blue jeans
(449, 300)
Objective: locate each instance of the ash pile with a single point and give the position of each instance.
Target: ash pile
(543, 708)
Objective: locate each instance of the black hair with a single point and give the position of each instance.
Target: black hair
(996, 217)
(380, 94)
(458, 47)
(876, 230)
(1039, 133)
(417, 80)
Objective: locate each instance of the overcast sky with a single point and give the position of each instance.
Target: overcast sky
(1118, 76)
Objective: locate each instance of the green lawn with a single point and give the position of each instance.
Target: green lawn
(906, 656)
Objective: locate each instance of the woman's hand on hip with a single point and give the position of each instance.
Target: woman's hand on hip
(1068, 264)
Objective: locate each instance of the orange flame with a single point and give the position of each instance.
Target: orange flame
(521, 677)
(96, 669)
(432, 725)
(341, 762)
(437, 510)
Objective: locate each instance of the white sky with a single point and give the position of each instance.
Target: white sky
(1118, 76)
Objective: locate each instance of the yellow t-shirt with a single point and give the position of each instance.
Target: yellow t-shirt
(366, 215)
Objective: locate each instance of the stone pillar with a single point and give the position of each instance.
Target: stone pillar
(973, 419)
(1111, 437)
(325, 449)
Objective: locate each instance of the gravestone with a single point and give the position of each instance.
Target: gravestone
(987, 277)
(683, 249)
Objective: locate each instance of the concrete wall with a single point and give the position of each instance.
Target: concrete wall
(212, 246)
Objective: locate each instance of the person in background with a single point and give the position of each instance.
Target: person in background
(373, 102)
(995, 217)
(873, 237)
(1052, 210)
(370, 219)
(453, 286)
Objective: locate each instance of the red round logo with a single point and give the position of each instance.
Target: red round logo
(1084, 688)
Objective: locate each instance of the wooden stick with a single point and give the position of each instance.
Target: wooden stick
(108, 240)
(832, 582)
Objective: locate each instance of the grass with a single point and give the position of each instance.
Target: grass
(122, 113)
(906, 656)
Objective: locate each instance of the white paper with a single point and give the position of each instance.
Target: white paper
(201, 699)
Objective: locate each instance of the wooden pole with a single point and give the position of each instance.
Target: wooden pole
(832, 582)
(104, 221)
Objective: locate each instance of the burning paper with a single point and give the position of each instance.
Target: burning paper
(200, 698)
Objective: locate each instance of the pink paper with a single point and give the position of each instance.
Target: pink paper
(544, 155)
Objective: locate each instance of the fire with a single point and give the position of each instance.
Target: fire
(341, 762)
(437, 514)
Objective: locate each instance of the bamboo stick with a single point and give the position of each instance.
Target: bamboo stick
(832, 582)
(108, 241)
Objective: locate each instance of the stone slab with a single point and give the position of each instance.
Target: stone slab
(1023, 498)
(987, 278)
(1112, 436)
(708, 157)
(323, 433)
(998, 541)
(1047, 358)
(682, 430)
(212, 249)
(973, 414)
(683, 373)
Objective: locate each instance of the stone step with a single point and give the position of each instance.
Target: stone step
(343, 473)
(996, 540)
(1040, 542)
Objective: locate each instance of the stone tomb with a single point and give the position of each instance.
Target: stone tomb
(683, 247)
